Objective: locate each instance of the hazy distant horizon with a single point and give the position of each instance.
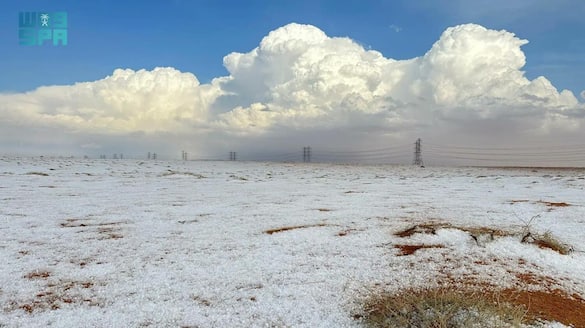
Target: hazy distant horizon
(493, 83)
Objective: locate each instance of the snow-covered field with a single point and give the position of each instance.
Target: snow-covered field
(98, 243)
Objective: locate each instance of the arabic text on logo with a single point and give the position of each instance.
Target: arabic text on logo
(40, 28)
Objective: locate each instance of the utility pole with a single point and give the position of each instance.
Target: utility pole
(233, 156)
(418, 154)
(306, 154)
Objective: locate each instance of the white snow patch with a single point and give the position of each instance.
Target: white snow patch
(124, 246)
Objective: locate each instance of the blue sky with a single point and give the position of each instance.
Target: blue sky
(150, 76)
(193, 36)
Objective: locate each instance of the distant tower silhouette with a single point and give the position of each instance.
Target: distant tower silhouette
(233, 156)
(417, 154)
(307, 154)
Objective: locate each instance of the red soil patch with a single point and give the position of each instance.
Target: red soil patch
(555, 305)
(37, 275)
(277, 230)
(542, 244)
(553, 204)
(529, 278)
(550, 303)
(410, 249)
(548, 204)
(55, 296)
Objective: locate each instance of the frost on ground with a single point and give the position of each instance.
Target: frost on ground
(235, 244)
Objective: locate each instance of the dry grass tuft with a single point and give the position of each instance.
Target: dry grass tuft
(200, 300)
(277, 230)
(469, 302)
(477, 231)
(38, 173)
(546, 241)
(104, 230)
(105, 236)
(171, 173)
(482, 235)
(427, 228)
(431, 229)
(235, 177)
(440, 308)
(346, 232)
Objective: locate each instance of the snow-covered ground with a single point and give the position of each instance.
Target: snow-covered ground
(101, 243)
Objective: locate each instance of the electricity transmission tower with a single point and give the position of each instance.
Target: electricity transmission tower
(307, 154)
(417, 154)
(232, 156)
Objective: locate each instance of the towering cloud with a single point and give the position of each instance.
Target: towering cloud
(300, 80)
(127, 101)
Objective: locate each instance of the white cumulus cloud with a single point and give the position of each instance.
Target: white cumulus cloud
(298, 76)
(299, 80)
(163, 99)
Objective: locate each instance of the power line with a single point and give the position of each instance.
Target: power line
(397, 154)
(526, 148)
